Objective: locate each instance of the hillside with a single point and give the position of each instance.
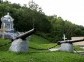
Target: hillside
(37, 55)
(39, 42)
(51, 27)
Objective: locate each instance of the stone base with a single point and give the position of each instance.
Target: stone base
(66, 47)
(19, 45)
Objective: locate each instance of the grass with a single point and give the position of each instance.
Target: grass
(3, 46)
(38, 56)
(78, 48)
(41, 57)
(39, 42)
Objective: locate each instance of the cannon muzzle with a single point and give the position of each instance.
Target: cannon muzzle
(25, 35)
(69, 41)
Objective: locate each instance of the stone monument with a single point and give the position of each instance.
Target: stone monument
(7, 27)
(7, 21)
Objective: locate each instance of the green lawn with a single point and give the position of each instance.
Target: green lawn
(40, 57)
(37, 55)
(39, 42)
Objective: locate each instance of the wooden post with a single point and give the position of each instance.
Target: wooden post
(3, 30)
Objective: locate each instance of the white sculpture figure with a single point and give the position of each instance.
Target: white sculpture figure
(64, 37)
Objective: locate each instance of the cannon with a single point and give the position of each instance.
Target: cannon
(25, 35)
(19, 43)
(69, 41)
(67, 45)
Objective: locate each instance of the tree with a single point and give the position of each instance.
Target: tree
(35, 7)
(25, 18)
(60, 27)
(1, 1)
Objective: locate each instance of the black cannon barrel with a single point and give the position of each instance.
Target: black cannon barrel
(70, 41)
(26, 34)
